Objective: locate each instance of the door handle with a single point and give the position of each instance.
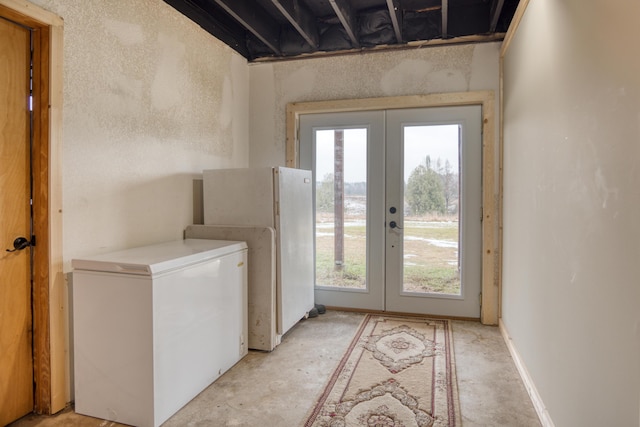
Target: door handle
(19, 244)
(394, 224)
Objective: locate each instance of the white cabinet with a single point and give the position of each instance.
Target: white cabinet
(154, 326)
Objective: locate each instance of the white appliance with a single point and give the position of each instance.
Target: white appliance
(155, 325)
(271, 197)
(262, 277)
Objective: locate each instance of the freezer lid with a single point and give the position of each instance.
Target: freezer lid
(159, 258)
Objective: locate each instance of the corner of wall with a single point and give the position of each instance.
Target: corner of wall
(538, 404)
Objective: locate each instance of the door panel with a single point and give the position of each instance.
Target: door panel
(349, 218)
(16, 358)
(434, 180)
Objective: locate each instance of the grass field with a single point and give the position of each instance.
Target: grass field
(430, 255)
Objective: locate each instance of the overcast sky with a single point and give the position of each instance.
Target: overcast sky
(419, 141)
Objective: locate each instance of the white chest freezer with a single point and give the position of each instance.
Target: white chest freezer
(155, 325)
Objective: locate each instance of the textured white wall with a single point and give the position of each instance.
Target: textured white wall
(150, 100)
(571, 266)
(380, 74)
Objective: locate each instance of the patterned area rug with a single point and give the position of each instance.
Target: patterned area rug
(397, 372)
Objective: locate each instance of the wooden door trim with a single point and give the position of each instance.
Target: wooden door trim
(50, 373)
(490, 299)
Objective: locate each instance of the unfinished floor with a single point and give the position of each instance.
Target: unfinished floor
(277, 389)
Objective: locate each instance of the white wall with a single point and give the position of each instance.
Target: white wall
(150, 100)
(571, 266)
(380, 74)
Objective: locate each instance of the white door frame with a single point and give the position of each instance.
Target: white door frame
(490, 300)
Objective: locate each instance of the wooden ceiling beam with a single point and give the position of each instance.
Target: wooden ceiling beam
(252, 17)
(343, 11)
(445, 19)
(396, 18)
(496, 10)
(301, 18)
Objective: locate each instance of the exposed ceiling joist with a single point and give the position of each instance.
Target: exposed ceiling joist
(445, 19)
(301, 19)
(272, 30)
(253, 18)
(200, 12)
(343, 11)
(496, 10)
(396, 18)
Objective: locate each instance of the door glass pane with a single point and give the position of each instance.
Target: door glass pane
(341, 207)
(431, 233)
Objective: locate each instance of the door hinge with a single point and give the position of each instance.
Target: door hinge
(481, 213)
(33, 240)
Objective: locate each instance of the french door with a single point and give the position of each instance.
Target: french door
(397, 197)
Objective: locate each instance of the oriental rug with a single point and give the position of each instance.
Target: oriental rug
(398, 371)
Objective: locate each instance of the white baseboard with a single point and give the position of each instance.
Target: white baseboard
(541, 409)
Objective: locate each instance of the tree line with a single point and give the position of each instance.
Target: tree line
(432, 188)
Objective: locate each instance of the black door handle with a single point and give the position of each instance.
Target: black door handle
(19, 244)
(394, 225)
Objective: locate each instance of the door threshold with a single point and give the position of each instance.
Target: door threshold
(398, 313)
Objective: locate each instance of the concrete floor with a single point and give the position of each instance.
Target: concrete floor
(277, 389)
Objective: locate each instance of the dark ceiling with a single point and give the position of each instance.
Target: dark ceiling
(279, 29)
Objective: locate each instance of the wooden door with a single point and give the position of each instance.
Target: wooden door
(16, 357)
